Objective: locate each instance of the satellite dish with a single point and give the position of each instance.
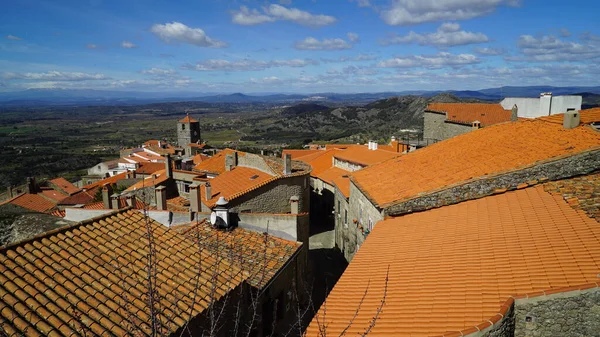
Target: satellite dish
(213, 218)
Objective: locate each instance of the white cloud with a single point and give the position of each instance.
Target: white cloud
(552, 49)
(54, 76)
(249, 17)
(564, 32)
(447, 35)
(360, 57)
(489, 51)
(353, 37)
(158, 72)
(310, 43)
(177, 32)
(247, 65)
(412, 12)
(362, 3)
(14, 38)
(128, 45)
(93, 46)
(266, 80)
(438, 60)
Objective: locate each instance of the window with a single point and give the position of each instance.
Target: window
(186, 188)
(346, 216)
(182, 126)
(370, 226)
(339, 209)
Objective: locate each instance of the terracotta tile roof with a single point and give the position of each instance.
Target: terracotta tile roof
(587, 116)
(188, 119)
(363, 156)
(178, 204)
(486, 114)
(339, 146)
(197, 146)
(580, 193)
(149, 168)
(231, 184)
(197, 159)
(216, 163)
(81, 198)
(58, 213)
(299, 153)
(156, 178)
(33, 202)
(454, 267)
(146, 156)
(122, 204)
(110, 180)
(337, 177)
(53, 195)
(320, 161)
(495, 149)
(95, 270)
(64, 185)
(259, 254)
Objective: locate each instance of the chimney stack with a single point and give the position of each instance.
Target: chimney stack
(131, 200)
(161, 198)
(168, 166)
(287, 164)
(476, 125)
(222, 210)
(294, 204)
(31, 188)
(106, 193)
(571, 119)
(207, 191)
(514, 113)
(195, 200)
(114, 200)
(9, 191)
(230, 161)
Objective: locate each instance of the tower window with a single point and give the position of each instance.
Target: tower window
(182, 126)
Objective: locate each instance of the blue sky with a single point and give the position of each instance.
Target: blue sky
(303, 46)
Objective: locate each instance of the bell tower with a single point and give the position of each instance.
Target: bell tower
(188, 131)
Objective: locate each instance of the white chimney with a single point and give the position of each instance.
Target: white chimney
(287, 164)
(571, 119)
(222, 210)
(375, 145)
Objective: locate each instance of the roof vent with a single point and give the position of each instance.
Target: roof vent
(571, 120)
(254, 177)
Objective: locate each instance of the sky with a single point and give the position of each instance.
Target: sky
(297, 46)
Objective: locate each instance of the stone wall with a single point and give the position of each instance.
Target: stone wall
(275, 197)
(346, 165)
(575, 313)
(505, 327)
(341, 227)
(256, 162)
(285, 226)
(436, 127)
(579, 164)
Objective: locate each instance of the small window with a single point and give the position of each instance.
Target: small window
(186, 188)
(370, 226)
(339, 210)
(182, 126)
(346, 216)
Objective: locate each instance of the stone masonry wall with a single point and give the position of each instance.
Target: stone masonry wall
(275, 197)
(346, 165)
(574, 314)
(502, 328)
(579, 164)
(454, 129)
(435, 127)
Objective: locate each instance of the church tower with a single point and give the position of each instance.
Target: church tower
(188, 131)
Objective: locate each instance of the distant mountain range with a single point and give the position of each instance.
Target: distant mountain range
(40, 97)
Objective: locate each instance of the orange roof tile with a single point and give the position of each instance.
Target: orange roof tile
(122, 204)
(587, 116)
(81, 198)
(98, 270)
(495, 149)
(197, 159)
(110, 180)
(231, 184)
(188, 119)
(486, 114)
(64, 185)
(146, 156)
(299, 153)
(33, 202)
(197, 146)
(580, 193)
(478, 252)
(216, 163)
(53, 195)
(319, 161)
(259, 254)
(363, 156)
(337, 177)
(156, 178)
(149, 168)
(58, 213)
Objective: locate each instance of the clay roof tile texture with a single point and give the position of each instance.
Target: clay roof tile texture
(495, 149)
(33, 202)
(64, 185)
(486, 114)
(231, 184)
(363, 156)
(188, 119)
(454, 267)
(91, 276)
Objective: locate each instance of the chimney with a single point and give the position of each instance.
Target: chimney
(476, 125)
(571, 119)
(222, 210)
(161, 198)
(230, 161)
(514, 113)
(9, 191)
(294, 204)
(131, 200)
(374, 146)
(395, 144)
(31, 188)
(114, 199)
(195, 200)
(207, 191)
(546, 103)
(168, 166)
(106, 193)
(370, 145)
(287, 164)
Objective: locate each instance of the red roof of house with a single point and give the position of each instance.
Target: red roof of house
(150, 167)
(81, 198)
(231, 184)
(486, 114)
(110, 180)
(363, 156)
(453, 269)
(337, 177)
(53, 195)
(299, 153)
(64, 185)
(216, 163)
(188, 119)
(33, 202)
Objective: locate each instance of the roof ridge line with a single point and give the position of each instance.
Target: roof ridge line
(64, 228)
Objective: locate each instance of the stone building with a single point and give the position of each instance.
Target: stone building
(476, 164)
(446, 120)
(201, 273)
(188, 132)
(515, 264)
